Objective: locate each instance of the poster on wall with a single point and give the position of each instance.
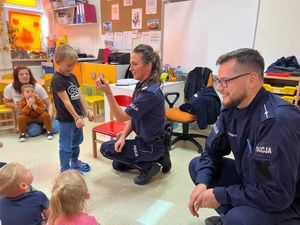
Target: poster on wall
(151, 7)
(136, 19)
(28, 30)
(153, 24)
(115, 12)
(30, 3)
(127, 2)
(107, 26)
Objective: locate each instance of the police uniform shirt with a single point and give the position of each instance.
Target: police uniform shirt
(147, 112)
(69, 84)
(264, 138)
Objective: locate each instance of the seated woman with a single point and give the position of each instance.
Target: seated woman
(12, 95)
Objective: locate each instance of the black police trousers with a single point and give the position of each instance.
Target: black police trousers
(246, 215)
(135, 152)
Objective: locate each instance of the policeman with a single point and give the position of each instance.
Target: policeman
(262, 184)
(145, 116)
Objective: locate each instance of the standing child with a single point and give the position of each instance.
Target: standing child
(32, 110)
(69, 195)
(70, 109)
(19, 202)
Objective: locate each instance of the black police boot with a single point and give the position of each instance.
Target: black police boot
(214, 220)
(165, 162)
(145, 176)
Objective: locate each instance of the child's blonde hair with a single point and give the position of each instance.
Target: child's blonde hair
(64, 51)
(24, 86)
(10, 178)
(69, 194)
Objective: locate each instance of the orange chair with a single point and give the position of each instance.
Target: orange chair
(174, 114)
(112, 128)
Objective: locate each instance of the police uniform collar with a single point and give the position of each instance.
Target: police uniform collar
(261, 94)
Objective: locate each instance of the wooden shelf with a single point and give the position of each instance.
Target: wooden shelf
(286, 81)
(77, 24)
(64, 8)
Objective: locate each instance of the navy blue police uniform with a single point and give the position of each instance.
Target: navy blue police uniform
(147, 112)
(262, 184)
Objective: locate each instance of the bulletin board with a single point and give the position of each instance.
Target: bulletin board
(125, 15)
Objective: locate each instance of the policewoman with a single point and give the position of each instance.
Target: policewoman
(145, 116)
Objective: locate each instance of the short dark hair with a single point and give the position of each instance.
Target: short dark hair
(248, 57)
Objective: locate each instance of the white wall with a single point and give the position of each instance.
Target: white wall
(278, 31)
(87, 38)
(196, 32)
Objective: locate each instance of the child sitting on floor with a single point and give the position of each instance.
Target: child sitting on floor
(20, 204)
(32, 109)
(69, 195)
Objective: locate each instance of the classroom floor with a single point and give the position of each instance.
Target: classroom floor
(115, 199)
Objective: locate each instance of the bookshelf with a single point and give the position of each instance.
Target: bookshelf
(74, 15)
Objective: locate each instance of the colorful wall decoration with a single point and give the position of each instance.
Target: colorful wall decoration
(31, 3)
(28, 30)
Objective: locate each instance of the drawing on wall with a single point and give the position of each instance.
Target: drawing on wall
(127, 2)
(136, 19)
(28, 30)
(151, 7)
(107, 26)
(153, 24)
(30, 3)
(115, 12)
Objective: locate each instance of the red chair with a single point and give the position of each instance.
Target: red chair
(112, 128)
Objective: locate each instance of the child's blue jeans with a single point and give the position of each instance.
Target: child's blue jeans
(35, 129)
(70, 137)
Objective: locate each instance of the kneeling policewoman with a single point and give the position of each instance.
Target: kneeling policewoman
(145, 116)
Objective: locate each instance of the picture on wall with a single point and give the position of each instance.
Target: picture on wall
(28, 30)
(107, 26)
(115, 12)
(153, 24)
(128, 2)
(30, 3)
(136, 19)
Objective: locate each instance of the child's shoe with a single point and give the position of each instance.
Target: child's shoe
(22, 137)
(80, 166)
(49, 135)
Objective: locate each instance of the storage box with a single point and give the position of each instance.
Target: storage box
(286, 90)
(288, 98)
(56, 4)
(68, 2)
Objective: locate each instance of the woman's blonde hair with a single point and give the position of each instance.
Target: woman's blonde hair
(69, 194)
(64, 51)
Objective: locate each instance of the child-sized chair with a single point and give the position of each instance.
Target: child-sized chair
(94, 100)
(112, 128)
(7, 119)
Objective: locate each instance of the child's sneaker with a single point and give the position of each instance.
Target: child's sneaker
(49, 135)
(22, 137)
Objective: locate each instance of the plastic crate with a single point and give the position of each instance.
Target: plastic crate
(286, 90)
(288, 98)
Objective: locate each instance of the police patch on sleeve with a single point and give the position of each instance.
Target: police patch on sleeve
(134, 107)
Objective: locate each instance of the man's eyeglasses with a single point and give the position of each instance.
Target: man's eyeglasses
(224, 82)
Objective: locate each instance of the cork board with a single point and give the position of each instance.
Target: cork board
(125, 15)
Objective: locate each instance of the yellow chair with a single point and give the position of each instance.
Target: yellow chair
(8, 76)
(48, 76)
(94, 103)
(174, 114)
(7, 118)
